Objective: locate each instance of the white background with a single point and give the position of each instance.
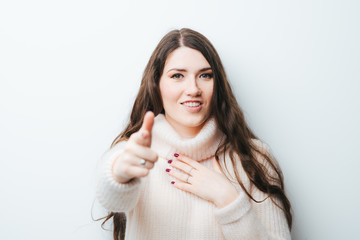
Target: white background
(70, 70)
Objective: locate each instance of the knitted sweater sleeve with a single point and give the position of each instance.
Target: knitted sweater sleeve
(114, 196)
(244, 219)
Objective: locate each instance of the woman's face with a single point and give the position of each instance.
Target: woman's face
(186, 88)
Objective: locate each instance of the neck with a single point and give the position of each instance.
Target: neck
(202, 145)
(184, 131)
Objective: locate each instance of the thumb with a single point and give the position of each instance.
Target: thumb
(146, 127)
(216, 166)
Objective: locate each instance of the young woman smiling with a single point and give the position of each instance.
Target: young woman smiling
(187, 166)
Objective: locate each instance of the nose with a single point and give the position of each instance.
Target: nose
(192, 88)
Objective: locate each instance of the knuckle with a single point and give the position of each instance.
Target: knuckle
(127, 157)
(127, 148)
(127, 171)
(134, 137)
(145, 172)
(154, 157)
(130, 146)
(149, 165)
(195, 173)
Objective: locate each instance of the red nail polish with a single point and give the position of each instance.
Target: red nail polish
(170, 161)
(172, 182)
(168, 170)
(176, 155)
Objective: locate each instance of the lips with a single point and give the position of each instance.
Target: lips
(192, 103)
(192, 106)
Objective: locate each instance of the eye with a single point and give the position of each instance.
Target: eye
(177, 76)
(206, 75)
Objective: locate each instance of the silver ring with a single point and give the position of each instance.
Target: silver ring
(191, 170)
(187, 180)
(142, 162)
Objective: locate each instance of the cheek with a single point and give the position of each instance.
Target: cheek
(169, 93)
(208, 91)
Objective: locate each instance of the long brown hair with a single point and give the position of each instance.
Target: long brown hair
(228, 116)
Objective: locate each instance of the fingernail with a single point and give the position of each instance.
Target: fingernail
(168, 170)
(170, 161)
(176, 155)
(172, 182)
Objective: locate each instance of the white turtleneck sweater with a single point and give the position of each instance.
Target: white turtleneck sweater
(156, 209)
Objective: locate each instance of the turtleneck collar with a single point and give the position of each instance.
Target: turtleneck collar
(167, 141)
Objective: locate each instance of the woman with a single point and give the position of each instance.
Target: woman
(187, 166)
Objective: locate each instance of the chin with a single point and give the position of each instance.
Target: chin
(194, 121)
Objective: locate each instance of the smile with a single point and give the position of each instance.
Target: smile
(192, 104)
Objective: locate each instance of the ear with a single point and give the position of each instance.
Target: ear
(216, 166)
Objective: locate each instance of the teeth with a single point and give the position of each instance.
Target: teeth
(192, 104)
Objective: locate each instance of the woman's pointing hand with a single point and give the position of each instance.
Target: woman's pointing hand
(137, 158)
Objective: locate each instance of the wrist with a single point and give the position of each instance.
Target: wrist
(116, 176)
(225, 199)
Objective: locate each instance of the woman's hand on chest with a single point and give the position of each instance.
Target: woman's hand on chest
(206, 183)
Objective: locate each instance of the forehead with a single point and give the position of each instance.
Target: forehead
(187, 58)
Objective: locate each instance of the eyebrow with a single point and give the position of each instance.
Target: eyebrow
(184, 70)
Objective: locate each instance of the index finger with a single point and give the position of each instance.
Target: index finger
(188, 161)
(148, 121)
(143, 136)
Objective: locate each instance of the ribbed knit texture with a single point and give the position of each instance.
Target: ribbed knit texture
(155, 209)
